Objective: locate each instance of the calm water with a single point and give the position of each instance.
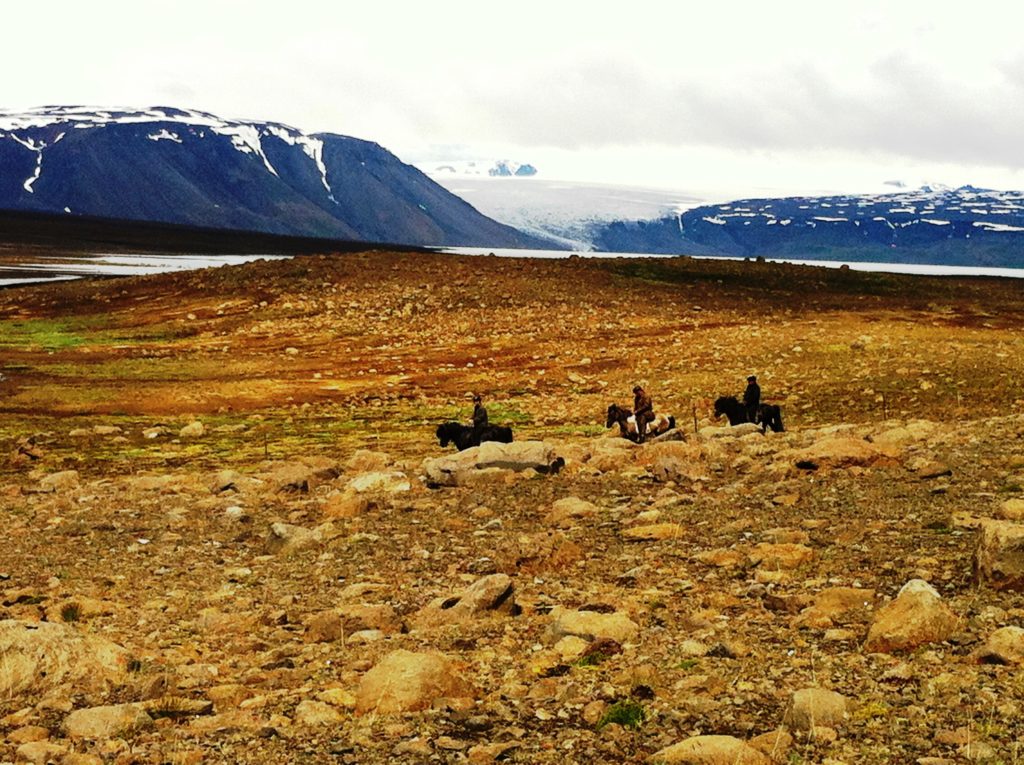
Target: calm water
(136, 265)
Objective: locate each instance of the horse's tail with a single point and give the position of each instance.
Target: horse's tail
(671, 422)
(778, 419)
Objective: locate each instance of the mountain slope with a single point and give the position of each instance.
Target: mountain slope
(965, 226)
(192, 168)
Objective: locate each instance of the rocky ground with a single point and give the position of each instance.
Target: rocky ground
(231, 536)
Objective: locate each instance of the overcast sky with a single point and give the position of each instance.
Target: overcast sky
(746, 95)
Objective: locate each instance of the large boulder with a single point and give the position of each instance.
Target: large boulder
(38, 656)
(460, 468)
(999, 556)
(916, 617)
(710, 750)
(404, 681)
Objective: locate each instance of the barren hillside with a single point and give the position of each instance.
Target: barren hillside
(230, 540)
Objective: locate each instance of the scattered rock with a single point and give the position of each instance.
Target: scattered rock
(999, 556)
(591, 625)
(393, 482)
(464, 467)
(41, 752)
(404, 681)
(489, 595)
(814, 707)
(192, 430)
(566, 511)
(284, 539)
(1012, 510)
(317, 713)
(916, 617)
(114, 721)
(39, 656)
(1004, 646)
(653, 532)
(63, 481)
(780, 556)
(710, 750)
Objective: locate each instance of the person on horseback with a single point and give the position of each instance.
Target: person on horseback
(643, 412)
(752, 398)
(479, 413)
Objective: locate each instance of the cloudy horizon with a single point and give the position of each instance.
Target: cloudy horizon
(792, 98)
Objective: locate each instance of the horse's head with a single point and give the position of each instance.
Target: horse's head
(721, 404)
(614, 415)
(444, 434)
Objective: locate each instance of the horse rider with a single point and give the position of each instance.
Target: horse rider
(752, 398)
(479, 413)
(643, 412)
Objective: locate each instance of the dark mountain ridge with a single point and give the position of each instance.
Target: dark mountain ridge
(966, 226)
(192, 168)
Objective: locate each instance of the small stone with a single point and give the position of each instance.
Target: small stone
(653, 532)
(192, 430)
(40, 752)
(1012, 510)
(28, 733)
(317, 713)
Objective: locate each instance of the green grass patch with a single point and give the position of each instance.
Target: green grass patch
(627, 713)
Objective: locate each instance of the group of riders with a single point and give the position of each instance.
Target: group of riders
(643, 408)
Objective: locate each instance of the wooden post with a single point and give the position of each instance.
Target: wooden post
(694, 418)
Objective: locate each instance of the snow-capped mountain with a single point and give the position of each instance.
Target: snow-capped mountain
(933, 224)
(193, 168)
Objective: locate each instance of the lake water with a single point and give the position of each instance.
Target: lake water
(62, 269)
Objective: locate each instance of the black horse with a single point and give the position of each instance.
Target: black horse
(465, 436)
(768, 415)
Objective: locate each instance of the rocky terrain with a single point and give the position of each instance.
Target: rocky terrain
(232, 537)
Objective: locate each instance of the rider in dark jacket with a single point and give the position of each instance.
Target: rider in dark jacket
(643, 411)
(479, 413)
(752, 398)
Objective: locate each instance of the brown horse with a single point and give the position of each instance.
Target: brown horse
(623, 416)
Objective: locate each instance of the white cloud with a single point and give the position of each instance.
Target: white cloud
(653, 89)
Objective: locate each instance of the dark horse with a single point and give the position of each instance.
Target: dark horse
(768, 415)
(464, 436)
(627, 422)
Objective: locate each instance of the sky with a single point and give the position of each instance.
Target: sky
(798, 97)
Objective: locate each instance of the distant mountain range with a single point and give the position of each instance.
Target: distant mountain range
(193, 168)
(965, 226)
